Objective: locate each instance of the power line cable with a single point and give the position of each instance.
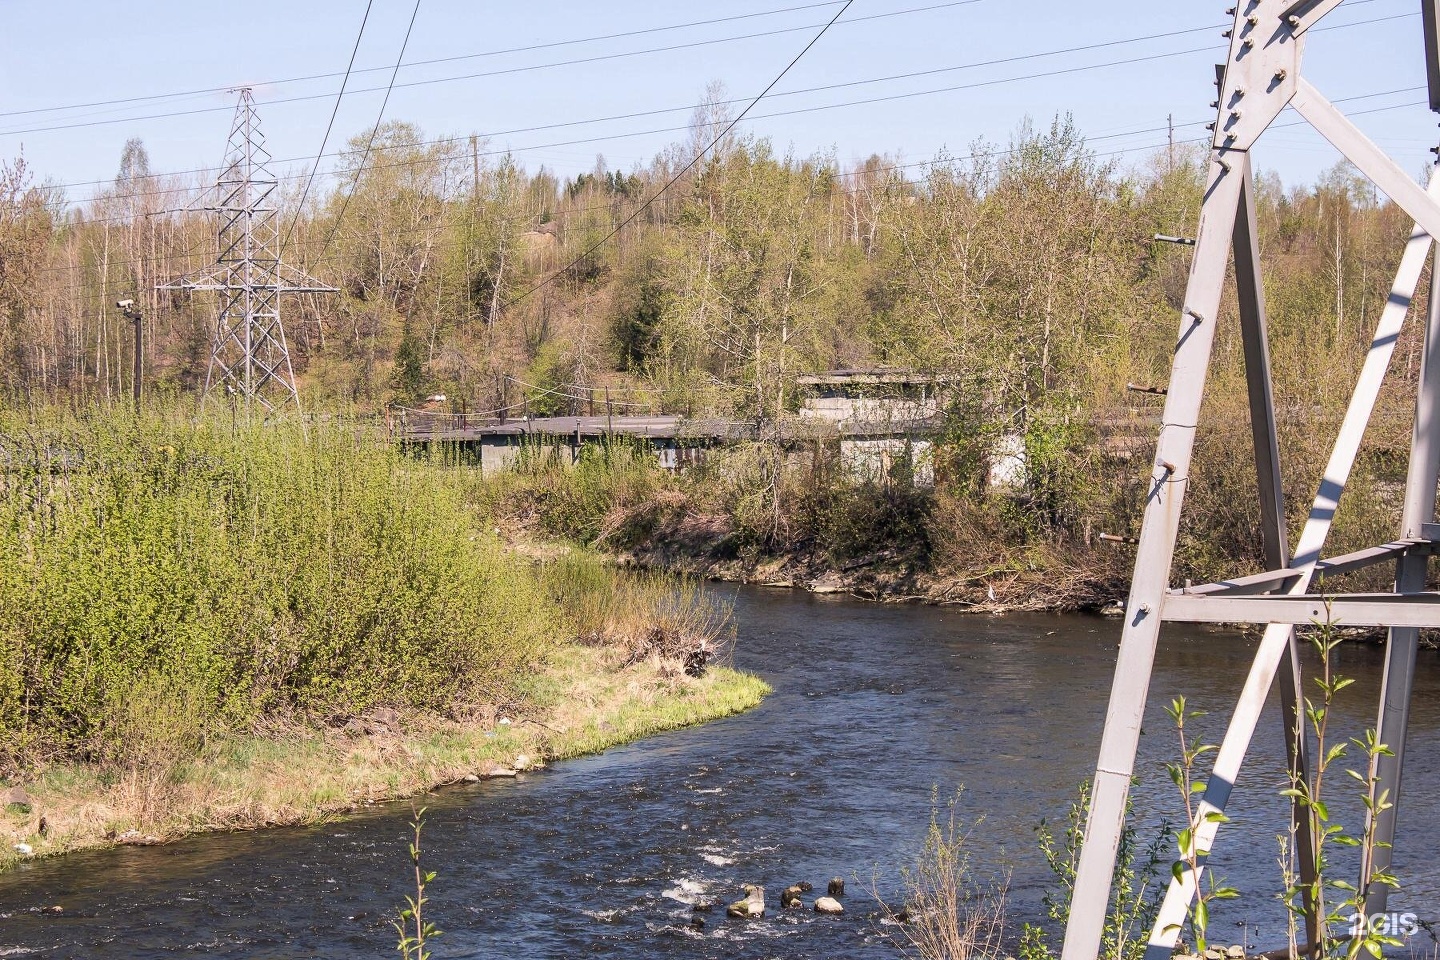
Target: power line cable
(671, 129)
(422, 63)
(562, 63)
(683, 170)
(374, 132)
(782, 113)
(1193, 123)
(325, 140)
(892, 77)
(788, 93)
(488, 73)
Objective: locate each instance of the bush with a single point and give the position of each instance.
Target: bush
(645, 614)
(950, 913)
(607, 496)
(259, 574)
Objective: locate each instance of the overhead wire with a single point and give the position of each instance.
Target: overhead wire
(443, 141)
(360, 167)
(532, 67)
(349, 171)
(420, 63)
(491, 73)
(888, 78)
(325, 140)
(700, 154)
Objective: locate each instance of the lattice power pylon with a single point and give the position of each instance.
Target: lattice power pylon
(1260, 77)
(249, 357)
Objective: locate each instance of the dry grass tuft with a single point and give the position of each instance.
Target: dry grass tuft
(949, 914)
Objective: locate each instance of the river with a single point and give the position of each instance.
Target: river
(876, 708)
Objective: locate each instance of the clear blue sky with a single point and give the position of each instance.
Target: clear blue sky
(66, 53)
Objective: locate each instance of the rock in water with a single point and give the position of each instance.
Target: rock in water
(836, 888)
(828, 905)
(790, 896)
(1235, 952)
(752, 906)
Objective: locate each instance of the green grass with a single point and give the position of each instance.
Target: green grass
(585, 701)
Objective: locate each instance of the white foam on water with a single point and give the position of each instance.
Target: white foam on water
(687, 891)
(716, 855)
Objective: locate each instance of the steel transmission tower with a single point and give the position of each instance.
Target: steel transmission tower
(249, 357)
(1260, 77)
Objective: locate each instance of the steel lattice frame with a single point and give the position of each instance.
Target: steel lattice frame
(1261, 76)
(249, 357)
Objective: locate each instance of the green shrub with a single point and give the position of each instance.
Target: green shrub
(255, 573)
(607, 496)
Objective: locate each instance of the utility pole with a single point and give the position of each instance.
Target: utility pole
(1170, 154)
(249, 356)
(475, 169)
(137, 378)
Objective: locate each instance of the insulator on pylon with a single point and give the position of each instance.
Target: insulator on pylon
(1140, 388)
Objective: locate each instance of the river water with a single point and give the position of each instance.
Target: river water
(876, 709)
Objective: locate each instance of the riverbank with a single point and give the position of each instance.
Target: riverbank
(884, 576)
(786, 524)
(887, 577)
(586, 699)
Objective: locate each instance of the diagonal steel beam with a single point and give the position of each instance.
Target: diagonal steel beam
(1397, 684)
(1250, 291)
(1372, 161)
(1159, 527)
(1281, 580)
(1277, 639)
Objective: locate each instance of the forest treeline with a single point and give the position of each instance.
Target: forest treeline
(1023, 273)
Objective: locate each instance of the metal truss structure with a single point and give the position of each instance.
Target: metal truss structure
(249, 357)
(1261, 76)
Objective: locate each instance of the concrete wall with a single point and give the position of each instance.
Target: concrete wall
(873, 459)
(867, 409)
(499, 453)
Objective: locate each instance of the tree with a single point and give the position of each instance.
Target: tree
(25, 226)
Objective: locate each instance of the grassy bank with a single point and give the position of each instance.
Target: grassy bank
(164, 583)
(585, 700)
(207, 625)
